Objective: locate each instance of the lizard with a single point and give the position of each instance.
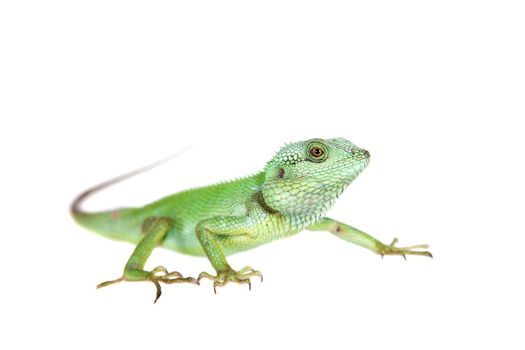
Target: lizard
(292, 193)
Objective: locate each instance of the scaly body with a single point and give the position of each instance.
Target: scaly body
(292, 193)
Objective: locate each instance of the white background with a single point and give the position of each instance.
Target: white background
(434, 90)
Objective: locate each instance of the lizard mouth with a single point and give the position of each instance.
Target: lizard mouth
(362, 158)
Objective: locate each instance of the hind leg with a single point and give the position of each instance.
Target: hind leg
(155, 230)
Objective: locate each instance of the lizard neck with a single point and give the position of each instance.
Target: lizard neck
(303, 198)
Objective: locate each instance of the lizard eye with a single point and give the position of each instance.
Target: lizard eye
(317, 152)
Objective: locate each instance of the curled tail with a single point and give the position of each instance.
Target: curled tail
(123, 223)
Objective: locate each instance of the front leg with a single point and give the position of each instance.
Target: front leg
(228, 228)
(353, 235)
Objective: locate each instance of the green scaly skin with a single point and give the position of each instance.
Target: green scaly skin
(293, 192)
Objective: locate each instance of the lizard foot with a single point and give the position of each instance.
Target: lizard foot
(158, 274)
(242, 277)
(403, 251)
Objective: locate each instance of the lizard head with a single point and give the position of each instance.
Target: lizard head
(307, 177)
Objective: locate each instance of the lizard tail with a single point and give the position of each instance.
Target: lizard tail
(121, 224)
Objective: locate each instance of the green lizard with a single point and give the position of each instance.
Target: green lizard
(292, 193)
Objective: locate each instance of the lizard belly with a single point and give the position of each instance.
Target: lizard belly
(183, 239)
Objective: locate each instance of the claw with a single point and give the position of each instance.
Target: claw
(153, 277)
(160, 269)
(107, 283)
(172, 274)
(403, 251)
(224, 277)
(159, 291)
(206, 275)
